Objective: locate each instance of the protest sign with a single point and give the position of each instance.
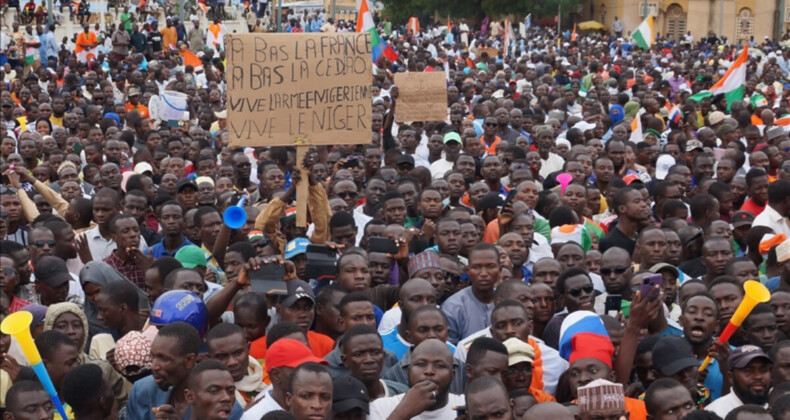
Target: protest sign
(297, 89)
(422, 96)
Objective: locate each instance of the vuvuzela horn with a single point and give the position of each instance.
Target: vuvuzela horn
(18, 325)
(754, 293)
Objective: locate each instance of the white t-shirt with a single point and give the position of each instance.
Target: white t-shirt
(264, 403)
(383, 407)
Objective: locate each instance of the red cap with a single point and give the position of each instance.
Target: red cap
(591, 345)
(631, 178)
(287, 352)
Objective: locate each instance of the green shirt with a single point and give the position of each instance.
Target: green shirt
(126, 18)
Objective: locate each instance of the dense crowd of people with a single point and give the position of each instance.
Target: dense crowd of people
(570, 242)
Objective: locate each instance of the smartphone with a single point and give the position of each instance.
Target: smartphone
(321, 263)
(383, 245)
(269, 278)
(648, 283)
(612, 304)
(175, 123)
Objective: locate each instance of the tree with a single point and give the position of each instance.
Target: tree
(401, 10)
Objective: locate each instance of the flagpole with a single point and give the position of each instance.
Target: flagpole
(279, 14)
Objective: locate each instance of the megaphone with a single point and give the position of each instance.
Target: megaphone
(18, 325)
(564, 179)
(235, 217)
(754, 293)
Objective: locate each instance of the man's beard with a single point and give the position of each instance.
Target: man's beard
(749, 398)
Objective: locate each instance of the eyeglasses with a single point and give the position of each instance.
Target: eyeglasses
(616, 270)
(388, 178)
(452, 277)
(577, 291)
(347, 194)
(41, 243)
(263, 243)
(490, 124)
(8, 271)
(8, 190)
(244, 165)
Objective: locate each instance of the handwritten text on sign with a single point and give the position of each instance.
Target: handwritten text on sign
(423, 96)
(284, 87)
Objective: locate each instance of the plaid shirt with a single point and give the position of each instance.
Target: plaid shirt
(128, 269)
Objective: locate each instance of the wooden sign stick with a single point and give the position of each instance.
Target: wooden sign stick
(302, 187)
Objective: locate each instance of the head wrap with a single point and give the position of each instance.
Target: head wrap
(58, 309)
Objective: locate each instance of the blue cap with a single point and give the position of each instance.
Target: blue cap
(296, 247)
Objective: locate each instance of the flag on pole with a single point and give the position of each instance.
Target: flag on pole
(378, 46)
(675, 115)
(528, 21)
(644, 35)
(636, 128)
(733, 82)
(190, 59)
(414, 25)
(507, 38)
(573, 34)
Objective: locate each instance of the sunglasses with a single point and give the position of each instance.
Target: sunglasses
(263, 243)
(41, 243)
(616, 270)
(388, 178)
(490, 124)
(8, 271)
(452, 277)
(577, 291)
(349, 194)
(8, 190)
(244, 165)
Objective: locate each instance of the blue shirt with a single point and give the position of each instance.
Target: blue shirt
(466, 315)
(146, 395)
(714, 380)
(158, 250)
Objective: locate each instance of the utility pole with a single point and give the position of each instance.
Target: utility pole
(334, 7)
(644, 9)
(279, 14)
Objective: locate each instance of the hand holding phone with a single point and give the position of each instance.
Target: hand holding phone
(649, 283)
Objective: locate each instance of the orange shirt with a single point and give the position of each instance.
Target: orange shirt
(82, 38)
(636, 409)
(320, 344)
(491, 150)
(140, 108)
(169, 37)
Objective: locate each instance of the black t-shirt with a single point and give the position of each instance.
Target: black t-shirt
(155, 41)
(138, 42)
(617, 238)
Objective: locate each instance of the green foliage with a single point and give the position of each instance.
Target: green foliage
(400, 10)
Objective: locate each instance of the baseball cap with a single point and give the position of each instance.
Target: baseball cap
(774, 132)
(452, 136)
(52, 271)
(405, 159)
(716, 117)
(491, 200)
(671, 354)
(143, 167)
(287, 352)
(665, 267)
(663, 163)
(741, 356)
(693, 144)
(186, 182)
(8, 102)
(298, 289)
(518, 351)
(221, 114)
(133, 91)
(349, 393)
(191, 256)
(631, 178)
(296, 246)
(724, 129)
(742, 218)
(39, 313)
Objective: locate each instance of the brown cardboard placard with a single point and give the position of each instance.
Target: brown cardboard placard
(422, 96)
(289, 89)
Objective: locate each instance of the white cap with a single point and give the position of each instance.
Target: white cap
(143, 167)
(663, 164)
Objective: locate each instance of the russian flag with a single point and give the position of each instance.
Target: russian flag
(365, 24)
(580, 323)
(676, 115)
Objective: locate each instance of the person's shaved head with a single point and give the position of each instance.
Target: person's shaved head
(548, 410)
